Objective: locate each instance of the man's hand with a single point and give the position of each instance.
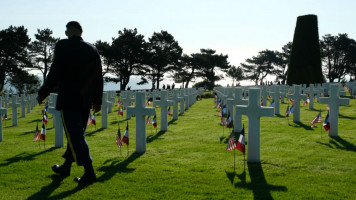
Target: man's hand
(39, 100)
(96, 108)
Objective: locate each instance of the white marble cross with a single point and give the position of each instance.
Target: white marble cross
(2, 112)
(104, 110)
(126, 99)
(14, 106)
(23, 105)
(275, 98)
(334, 102)
(181, 95)
(140, 111)
(230, 97)
(186, 98)
(175, 100)
(264, 95)
(312, 92)
(282, 92)
(58, 126)
(254, 112)
(297, 96)
(164, 103)
(29, 102)
(237, 116)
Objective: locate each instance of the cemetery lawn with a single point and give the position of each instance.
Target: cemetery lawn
(189, 161)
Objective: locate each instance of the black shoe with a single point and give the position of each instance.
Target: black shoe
(86, 179)
(64, 171)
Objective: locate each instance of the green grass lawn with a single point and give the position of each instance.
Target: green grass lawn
(189, 161)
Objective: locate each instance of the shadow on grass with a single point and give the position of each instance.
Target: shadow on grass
(33, 121)
(280, 116)
(300, 124)
(46, 191)
(24, 157)
(152, 138)
(259, 186)
(115, 122)
(346, 117)
(117, 167)
(93, 132)
(172, 122)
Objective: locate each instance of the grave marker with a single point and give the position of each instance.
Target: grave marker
(334, 101)
(2, 112)
(140, 111)
(297, 96)
(14, 106)
(254, 112)
(164, 103)
(58, 130)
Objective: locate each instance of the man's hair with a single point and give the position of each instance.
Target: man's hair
(74, 25)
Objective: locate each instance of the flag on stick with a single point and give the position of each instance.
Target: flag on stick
(154, 122)
(93, 119)
(37, 134)
(89, 119)
(148, 119)
(45, 118)
(317, 119)
(241, 143)
(125, 139)
(231, 144)
(223, 122)
(118, 138)
(326, 123)
(43, 132)
(169, 111)
(287, 111)
(228, 121)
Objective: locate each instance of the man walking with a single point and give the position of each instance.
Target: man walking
(76, 74)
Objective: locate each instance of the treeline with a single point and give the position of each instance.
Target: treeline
(161, 55)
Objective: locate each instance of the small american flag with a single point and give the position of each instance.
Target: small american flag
(317, 119)
(37, 134)
(118, 139)
(231, 144)
(148, 119)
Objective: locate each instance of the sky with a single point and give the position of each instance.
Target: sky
(237, 28)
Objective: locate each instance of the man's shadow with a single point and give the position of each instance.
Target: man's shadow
(259, 186)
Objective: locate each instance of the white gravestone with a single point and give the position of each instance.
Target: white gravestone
(237, 116)
(58, 130)
(186, 99)
(229, 104)
(14, 106)
(275, 98)
(264, 95)
(312, 92)
(2, 112)
(155, 94)
(175, 100)
(164, 103)
(28, 104)
(254, 112)
(282, 93)
(140, 111)
(334, 102)
(297, 96)
(104, 110)
(181, 95)
(23, 105)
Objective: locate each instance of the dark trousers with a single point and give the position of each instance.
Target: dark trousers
(75, 123)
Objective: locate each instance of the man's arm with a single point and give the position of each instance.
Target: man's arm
(52, 77)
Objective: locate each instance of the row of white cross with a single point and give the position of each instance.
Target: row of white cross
(186, 97)
(253, 110)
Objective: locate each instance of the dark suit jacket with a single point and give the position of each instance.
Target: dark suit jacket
(76, 72)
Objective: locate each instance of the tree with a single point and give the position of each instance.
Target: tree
(236, 74)
(209, 64)
(282, 63)
(42, 51)
(305, 63)
(124, 57)
(14, 43)
(258, 67)
(25, 82)
(338, 54)
(185, 70)
(163, 55)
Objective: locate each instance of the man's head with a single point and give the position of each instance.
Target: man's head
(74, 28)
